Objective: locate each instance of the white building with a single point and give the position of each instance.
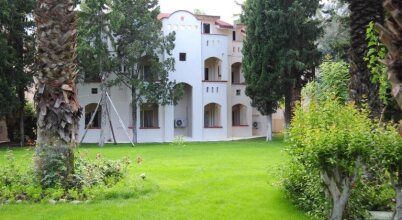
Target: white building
(214, 107)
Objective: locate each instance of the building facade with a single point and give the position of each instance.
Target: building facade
(208, 62)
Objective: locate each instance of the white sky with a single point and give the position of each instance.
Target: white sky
(224, 8)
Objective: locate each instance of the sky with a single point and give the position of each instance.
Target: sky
(224, 8)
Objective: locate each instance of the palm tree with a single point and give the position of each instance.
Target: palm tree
(57, 107)
(361, 86)
(391, 36)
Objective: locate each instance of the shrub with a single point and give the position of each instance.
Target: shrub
(330, 139)
(90, 178)
(330, 134)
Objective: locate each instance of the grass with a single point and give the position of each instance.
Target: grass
(223, 180)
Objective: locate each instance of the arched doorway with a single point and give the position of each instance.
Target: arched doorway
(183, 119)
(212, 69)
(237, 76)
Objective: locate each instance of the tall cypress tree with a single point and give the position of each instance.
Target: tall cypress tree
(280, 53)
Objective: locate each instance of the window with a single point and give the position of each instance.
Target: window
(234, 35)
(206, 74)
(217, 89)
(212, 89)
(147, 74)
(182, 57)
(238, 92)
(94, 91)
(89, 111)
(149, 116)
(212, 115)
(207, 89)
(239, 115)
(206, 28)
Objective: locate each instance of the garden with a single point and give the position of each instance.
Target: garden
(333, 67)
(225, 180)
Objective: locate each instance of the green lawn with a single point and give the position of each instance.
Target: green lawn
(224, 180)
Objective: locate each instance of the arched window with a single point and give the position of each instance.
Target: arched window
(239, 115)
(212, 115)
(89, 111)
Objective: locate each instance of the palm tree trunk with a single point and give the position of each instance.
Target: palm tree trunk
(391, 36)
(57, 107)
(361, 88)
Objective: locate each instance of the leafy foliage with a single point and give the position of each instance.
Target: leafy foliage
(377, 52)
(332, 82)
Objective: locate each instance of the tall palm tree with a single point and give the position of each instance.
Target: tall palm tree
(391, 36)
(57, 107)
(361, 86)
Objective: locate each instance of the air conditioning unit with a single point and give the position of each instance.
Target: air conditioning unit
(255, 125)
(180, 123)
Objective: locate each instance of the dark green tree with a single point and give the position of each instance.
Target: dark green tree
(16, 42)
(280, 53)
(144, 54)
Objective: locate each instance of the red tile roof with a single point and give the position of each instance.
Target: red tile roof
(223, 24)
(163, 15)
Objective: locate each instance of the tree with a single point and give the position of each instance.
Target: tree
(361, 85)
(336, 38)
(17, 43)
(390, 35)
(334, 139)
(144, 53)
(95, 41)
(280, 53)
(57, 107)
